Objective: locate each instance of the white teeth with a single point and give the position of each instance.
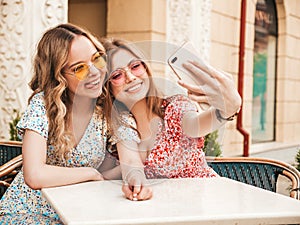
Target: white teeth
(95, 82)
(134, 87)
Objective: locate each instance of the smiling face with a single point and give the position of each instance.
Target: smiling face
(83, 51)
(135, 84)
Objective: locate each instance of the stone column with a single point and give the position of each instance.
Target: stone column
(21, 24)
(190, 20)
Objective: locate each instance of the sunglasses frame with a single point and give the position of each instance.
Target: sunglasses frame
(126, 69)
(81, 78)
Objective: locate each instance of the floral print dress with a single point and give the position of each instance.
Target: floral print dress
(174, 154)
(22, 205)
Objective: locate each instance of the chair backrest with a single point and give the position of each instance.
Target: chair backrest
(258, 172)
(9, 150)
(10, 163)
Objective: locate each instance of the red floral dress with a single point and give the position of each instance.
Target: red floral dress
(174, 154)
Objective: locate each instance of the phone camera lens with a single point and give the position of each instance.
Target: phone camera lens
(174, 60)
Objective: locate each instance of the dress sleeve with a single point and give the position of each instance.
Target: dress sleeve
(34, 117)
(126, 131)
(175, 109)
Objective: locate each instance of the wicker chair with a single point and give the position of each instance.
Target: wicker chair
(9, 150)
(258, 172)
(10, 163)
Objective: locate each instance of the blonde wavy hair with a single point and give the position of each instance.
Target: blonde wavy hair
(50, 59)
(112, 107)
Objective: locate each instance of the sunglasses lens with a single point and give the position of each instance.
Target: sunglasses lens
(137, 68)
(117, 77)
(81, 71)
(99, 61)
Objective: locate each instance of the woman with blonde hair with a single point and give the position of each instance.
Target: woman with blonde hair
(63, 129)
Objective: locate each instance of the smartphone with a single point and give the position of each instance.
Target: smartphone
(184, 53)
(187, 52)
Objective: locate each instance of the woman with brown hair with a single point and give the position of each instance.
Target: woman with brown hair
(164, 137)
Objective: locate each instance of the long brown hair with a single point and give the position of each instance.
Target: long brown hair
(113, 106)
(50, 59)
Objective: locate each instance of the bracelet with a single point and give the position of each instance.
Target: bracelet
(220, 117)
(295, 189)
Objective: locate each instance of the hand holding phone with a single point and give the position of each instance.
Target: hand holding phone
(186, 52)
(192, 81)
(205, 84)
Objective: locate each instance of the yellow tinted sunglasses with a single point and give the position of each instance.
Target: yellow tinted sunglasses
(82, 70)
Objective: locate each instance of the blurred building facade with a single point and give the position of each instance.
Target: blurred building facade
(266, 74)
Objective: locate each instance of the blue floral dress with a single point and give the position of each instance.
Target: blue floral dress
(23, 205)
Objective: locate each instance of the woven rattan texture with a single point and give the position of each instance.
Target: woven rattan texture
(260, 175)
(8, 152)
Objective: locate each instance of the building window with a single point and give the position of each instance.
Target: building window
(264, 72)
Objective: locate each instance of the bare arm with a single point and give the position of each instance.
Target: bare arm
(196, 124)
(135, 183)
(109, 169)
(38, 174)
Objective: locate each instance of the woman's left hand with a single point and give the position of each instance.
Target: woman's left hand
(137, 192)
(136, 186)
(214, 87)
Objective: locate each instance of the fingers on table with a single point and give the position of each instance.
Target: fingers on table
(145, 193)
(137, 192)
(127, 191)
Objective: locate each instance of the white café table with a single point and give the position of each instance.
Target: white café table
(175, 201)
